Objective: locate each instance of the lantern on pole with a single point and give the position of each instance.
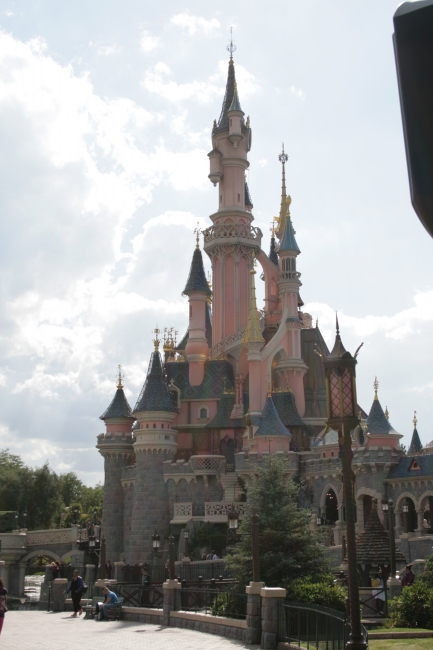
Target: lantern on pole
(340, 380)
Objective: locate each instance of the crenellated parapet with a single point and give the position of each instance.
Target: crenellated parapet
(115, 444)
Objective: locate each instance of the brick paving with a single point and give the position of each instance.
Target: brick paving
(48, 631)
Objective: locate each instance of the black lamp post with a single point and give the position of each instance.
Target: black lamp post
(16, 520)
(171, 572)
(186, 537)
(340, 378)
(156, 542)
(385, 507)
(405, 509)
(392, 536)
(25, 518)
(75, 513)
(95, 513)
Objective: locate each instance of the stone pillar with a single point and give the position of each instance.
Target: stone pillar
(170, 588)
(90, 574)
(118, 570)
(48, 573)
(21, 578)
(420, 519)
(254, 627)
(6, 572)
(1, 569)
(271, 602)
(394, 590)
(59, 587)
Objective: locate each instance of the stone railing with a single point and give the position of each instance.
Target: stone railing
(207, 465)
(56, 536)
(218, 510)
(13, 540)
(227, 343)
(182, 512)
(232, 230)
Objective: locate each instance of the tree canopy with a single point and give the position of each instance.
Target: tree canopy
(41, 492)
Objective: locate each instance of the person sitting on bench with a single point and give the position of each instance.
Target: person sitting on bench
(111, 599)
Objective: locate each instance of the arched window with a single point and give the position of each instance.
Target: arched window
(273, 288)
(154, 426)
(162, 425)
(203, 413)
(293, 264)
(147, 426)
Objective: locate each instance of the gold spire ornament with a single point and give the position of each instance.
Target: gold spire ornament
(376, 387)
(156, 340)
(283, 158)
(119, 377)
(415, 421)
(387, 413)
(253, 332)
(197, 232)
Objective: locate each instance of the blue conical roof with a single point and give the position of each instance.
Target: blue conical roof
(197, 279)
(415, 443)
(288, 242)
(119, 407)
(235, 105)
(271, 424)
(377, 420)
(273, 255)
(155, 395)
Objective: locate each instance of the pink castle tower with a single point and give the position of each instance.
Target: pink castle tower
(231, 240)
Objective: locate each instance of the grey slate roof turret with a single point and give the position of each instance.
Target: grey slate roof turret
(415, 444)
(223, 122)
(197, 279)
(248, 201)
(235, 105)
(377, 421)
(373, 545)
(271, 424)
(155, 395)
(288, 241)
(119, 407)
(273, 255)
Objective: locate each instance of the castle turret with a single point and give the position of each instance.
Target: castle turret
(293, 367)
(231, 239)
(198, 292)
(116, 448)
(155, 442)
(283, 158)
(415, 444)
(254, 342)
(379, 429)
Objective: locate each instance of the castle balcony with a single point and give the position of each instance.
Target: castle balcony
(182, 513)
(236, 233)
(214, 511)
(207, 465)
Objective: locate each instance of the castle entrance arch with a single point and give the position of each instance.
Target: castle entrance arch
(331, 507)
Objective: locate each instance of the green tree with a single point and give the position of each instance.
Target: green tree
(288, 548)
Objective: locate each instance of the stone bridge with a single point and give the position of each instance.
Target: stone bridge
(20, 546)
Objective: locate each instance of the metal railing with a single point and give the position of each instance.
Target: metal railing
(206, 570)
(131, 574)
(139, 595)
(217, 602)
(312, 626)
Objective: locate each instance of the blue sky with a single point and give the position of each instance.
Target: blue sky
(105, 117)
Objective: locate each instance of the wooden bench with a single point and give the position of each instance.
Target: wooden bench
(114, 612)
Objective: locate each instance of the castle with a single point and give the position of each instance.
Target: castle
(242, 384)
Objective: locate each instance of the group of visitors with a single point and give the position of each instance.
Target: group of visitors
(77, 588)
(210, 556)
(378, 591)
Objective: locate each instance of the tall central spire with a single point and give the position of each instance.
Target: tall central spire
(253, 332)
(283, 158)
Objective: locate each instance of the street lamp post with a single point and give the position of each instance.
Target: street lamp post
(171, 571)
(405, 509)
(340, 378)
(186, 537)
(392, 537)
(75, 513)
(385, 507)
(25, 518)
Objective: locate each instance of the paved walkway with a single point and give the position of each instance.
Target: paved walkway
(40, 630)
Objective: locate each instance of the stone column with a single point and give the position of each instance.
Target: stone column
(5, 572)
(90, 574)
(271, 602)
(59, 587)
(170, 588)
(254, 620)
(420, 519)
(21, 578)
(394, 589)
(1, 569)
(118, 570)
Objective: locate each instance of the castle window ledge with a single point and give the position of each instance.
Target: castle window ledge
(207, 465)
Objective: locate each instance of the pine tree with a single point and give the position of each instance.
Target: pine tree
(289, 549)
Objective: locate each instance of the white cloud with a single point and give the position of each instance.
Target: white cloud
(262, 163)
(148, 41)
(297, 92)
(105, 50)
(193, 24)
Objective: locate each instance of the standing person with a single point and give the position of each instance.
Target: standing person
(3, 603)
(214, 555)
(408, 577)
(76, 588)
(378, 592)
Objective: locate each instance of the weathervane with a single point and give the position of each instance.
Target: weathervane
(283, 157)
(231, 47)
(119, 378)
(197, 235)
(376, 387)
(415, 421)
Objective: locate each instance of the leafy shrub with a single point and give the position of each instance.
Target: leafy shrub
(228, 605)
(323, 592)
(414, 607)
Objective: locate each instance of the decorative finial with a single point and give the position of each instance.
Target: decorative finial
(197, 233)
(337, 327)
(415, 421)
(317, 322)
(156, 341)
(120, 378)
(273, 228)
(386, 413)
(375, 386)
(214, 126)
(231, 47)
(283, 157)
(248, 123)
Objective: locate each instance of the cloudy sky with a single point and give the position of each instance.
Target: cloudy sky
(105, 116)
